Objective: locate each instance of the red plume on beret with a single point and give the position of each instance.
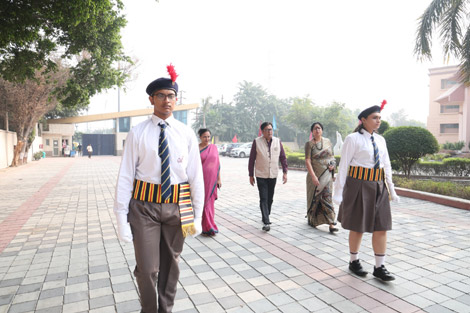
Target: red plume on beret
(383, 104)
(172, 72)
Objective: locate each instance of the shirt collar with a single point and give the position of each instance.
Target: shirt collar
(156, 120)
(367, 134)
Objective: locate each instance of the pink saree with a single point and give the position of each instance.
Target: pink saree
(210, 169)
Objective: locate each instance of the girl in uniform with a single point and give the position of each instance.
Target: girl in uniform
(363, 189)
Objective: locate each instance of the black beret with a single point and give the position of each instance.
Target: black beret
(161, 83)
(369, 111)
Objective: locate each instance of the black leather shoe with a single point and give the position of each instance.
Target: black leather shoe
(356, 268)
(333, 229)
(266, 227)
(382, 273)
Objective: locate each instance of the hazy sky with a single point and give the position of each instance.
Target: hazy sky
(354, 52)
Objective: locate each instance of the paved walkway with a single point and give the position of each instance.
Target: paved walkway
(59, 251)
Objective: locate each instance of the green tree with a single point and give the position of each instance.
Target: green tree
(301, 115)
(336, 117)
(400, 118)
(450, 16)
(254, 105)
(206, 104)
(220, 119)
(384, 126)
(406, 144)
(83, 35)
(26, 103)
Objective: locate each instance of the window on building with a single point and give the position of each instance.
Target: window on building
(48, 143)
(447, 83)
(124, 124)
(449, 128)
(450, 108)
(181, 116)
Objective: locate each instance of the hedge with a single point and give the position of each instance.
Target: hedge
(443, 188)
(448, 167)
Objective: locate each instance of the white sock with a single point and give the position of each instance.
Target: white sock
(353, 256)
(379, 260)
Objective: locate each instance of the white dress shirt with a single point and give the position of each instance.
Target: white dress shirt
(358, 151)
(140, 160)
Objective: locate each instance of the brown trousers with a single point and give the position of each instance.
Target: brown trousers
(158, 243)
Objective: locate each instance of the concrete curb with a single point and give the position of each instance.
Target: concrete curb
(444, 200)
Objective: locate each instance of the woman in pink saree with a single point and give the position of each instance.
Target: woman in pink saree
(211, 171)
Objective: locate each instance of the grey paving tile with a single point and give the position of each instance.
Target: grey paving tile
(262, 305)
(230, 302)
(102, 302)
(29, 288)
(49, 293)
(56, 276)
(347, 306)
(6, 299)
(464, 299)
(77, 280)
(22, 307)
(99, 268)
(75, 297)
(292, 307)
(202, 298)
(436, 308)
(123, 287)
(241, 287)
(128, 306)
(57, 309)
(99, 283)
(11, 282)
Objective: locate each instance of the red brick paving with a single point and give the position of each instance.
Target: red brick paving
(15, 221)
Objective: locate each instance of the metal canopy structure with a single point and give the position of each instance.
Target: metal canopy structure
(114, 115)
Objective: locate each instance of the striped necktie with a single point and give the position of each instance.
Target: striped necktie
(164, 153)
(376, 153)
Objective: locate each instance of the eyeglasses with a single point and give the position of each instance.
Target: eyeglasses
(162, 96)
(268, 130)
(317, 128)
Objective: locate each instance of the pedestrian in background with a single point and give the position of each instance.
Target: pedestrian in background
(89, 148)
(363, 187)
(212, 181)
(320, 163)
(266, 153)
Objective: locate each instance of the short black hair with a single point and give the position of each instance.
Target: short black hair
(263, 126)
(316, 123)
(202, 131)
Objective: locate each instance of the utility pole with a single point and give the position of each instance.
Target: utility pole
(181, 96)
(119, 109)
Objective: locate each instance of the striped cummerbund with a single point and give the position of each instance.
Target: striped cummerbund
(365, 173)
(149, 192)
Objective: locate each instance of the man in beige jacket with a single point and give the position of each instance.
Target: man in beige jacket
(266, 152)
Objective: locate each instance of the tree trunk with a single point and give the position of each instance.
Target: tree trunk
(16, 153)
(25, 153)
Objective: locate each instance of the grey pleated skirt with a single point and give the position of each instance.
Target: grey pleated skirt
(365, 206)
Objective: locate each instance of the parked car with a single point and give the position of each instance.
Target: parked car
(222, 148)
(231, 146)
(242, 151)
